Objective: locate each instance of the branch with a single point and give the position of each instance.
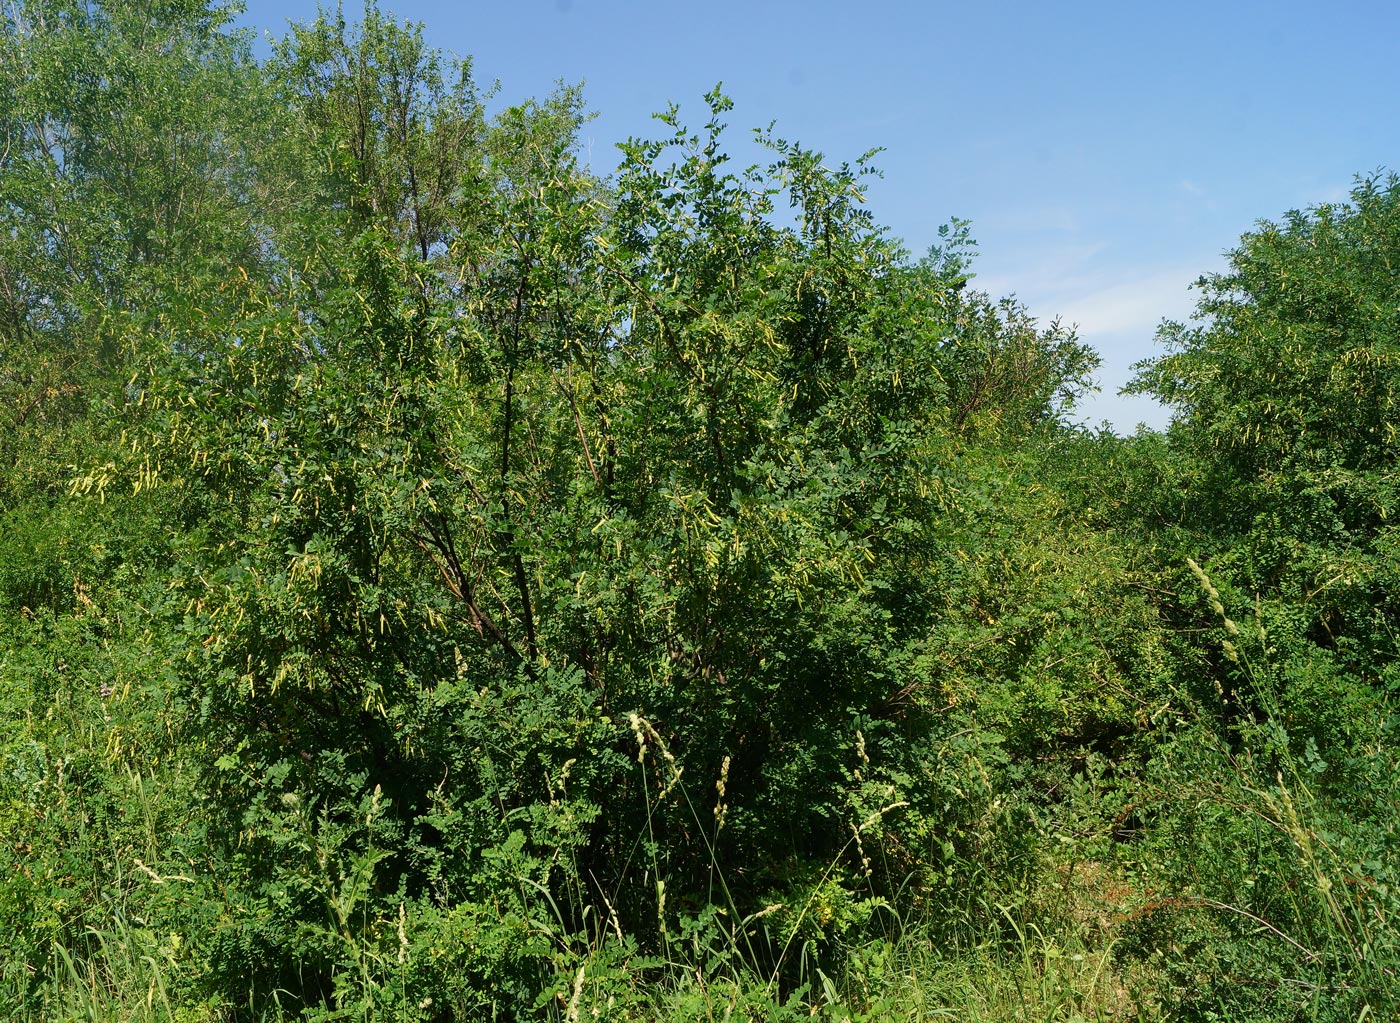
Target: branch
(568, 393)
(439, 547)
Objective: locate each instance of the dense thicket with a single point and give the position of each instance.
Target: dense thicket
(441, 581)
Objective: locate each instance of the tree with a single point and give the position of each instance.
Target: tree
(470, 499)
(124, 174)
(1285, 398)
(1293, 368)
(376, 127)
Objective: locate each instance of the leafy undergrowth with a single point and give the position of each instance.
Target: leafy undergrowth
(1199, 892)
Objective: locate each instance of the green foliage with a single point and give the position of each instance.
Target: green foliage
(375, 126)
(1285, 400)
(1289, 369)
(122, 175)
(437, 582)
(95, 805)
(1269, 889)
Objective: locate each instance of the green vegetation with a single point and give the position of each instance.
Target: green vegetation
(438, 582)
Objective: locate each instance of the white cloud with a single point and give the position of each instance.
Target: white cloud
(1044, 272)
(1116, 311)
(1080, 285)
(1138, 304)
(1115, 305)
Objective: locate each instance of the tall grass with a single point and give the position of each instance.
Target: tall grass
(1008, 947)
(1250, 889)
(115, 973)
(1270, 875)
(1016, 948)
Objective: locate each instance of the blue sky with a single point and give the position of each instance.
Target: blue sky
(1107, 154)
